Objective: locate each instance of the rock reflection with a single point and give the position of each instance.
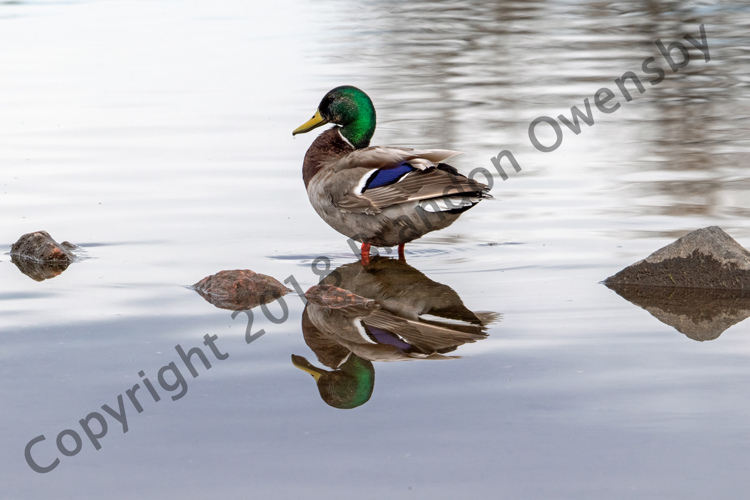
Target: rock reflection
(700, 314)
(408, 317)
(39, 271)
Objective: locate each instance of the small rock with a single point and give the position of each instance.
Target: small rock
(705, 258)
(334, 297)
(240, 289)
(40, 257)
(40, 246)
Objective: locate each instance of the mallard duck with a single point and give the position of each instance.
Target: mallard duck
(382, 196)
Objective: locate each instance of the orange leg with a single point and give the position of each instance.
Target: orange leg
(401, 255)
(365, 254)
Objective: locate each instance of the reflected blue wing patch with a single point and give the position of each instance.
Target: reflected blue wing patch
(384, 337)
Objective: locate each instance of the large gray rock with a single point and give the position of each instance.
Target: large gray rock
(705, 258)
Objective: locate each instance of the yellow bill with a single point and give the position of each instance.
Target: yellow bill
(316, 121)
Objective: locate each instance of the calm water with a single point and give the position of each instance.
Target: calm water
(157, 136)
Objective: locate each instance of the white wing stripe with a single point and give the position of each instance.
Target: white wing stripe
(360, 187)
(448, 203)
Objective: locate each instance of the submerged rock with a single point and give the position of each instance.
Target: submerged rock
(239, 289)
(705, 258)
(700, 314)
(40, 257)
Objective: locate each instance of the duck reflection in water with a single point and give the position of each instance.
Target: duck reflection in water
(387, 311)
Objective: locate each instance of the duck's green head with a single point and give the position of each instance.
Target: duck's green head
(349, 386)
(348, 107)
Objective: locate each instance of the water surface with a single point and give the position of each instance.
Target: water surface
(157, 136)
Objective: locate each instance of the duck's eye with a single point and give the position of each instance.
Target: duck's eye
(326, 102)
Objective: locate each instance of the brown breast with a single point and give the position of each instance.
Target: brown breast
(326, 149)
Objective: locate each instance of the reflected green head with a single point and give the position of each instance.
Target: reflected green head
(350, 386)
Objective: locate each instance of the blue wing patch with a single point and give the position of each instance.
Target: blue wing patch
(384, 177)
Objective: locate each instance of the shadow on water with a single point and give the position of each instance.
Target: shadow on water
(407, 317)
(700, 314)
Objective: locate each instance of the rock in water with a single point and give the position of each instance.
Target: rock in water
(40, 246)
(40, 257)
(240, 289)
(705, 258)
